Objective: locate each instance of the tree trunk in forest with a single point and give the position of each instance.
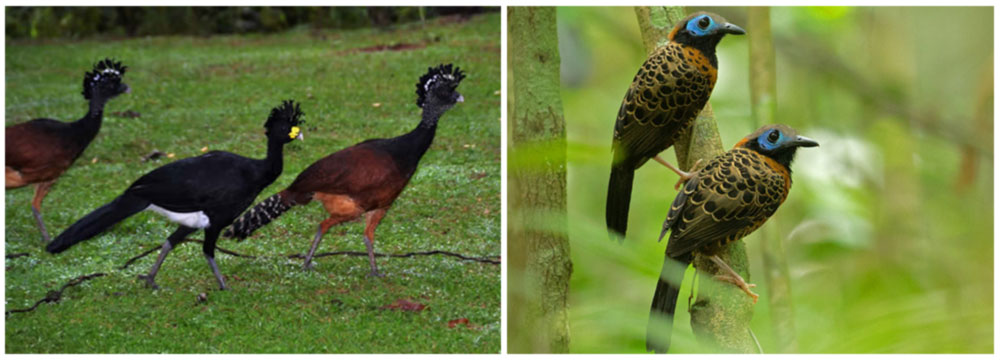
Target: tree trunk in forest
(898, 216)
(982, 115)
(538, 256)
(764, 106)
(721, 314)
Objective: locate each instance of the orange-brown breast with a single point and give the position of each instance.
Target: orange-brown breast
(702, 63)
(778, 168)
(339, 205)
(14, 179)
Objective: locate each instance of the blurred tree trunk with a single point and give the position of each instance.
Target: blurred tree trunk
(764, 106)
(899, 214)
(983, 118)
(721, 315)
(538, 247)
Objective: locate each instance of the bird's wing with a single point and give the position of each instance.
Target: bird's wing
(349, 171)
(195, 184)
(37, 145)
(735, 194)
(677, 207)
(664, 96)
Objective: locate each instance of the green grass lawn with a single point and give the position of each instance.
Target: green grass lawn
(216, 92)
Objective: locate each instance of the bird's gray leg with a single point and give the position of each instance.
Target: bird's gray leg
(215, 270)
(177, 237)
(312, 250)
(208, 248)
(371, 258)
(41, 225)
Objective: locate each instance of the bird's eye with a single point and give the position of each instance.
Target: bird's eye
(704, 22)
(773, 136)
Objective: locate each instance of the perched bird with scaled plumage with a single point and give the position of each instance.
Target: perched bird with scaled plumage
(733, 195)
(666, 95)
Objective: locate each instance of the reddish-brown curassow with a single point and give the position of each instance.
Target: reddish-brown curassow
(366, 178)
(733, 195)
(666, 95)
(203, 192)
(40, 150)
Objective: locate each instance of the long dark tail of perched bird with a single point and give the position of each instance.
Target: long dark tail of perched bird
(619, 197)
(97, 221)
(257, 217)
(661, 312)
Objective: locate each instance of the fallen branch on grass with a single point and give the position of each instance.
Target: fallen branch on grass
(406, 255)
(485, 260)
(55, 295)
(17, 255)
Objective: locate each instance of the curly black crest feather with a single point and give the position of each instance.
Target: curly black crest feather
(436, 77)
(288, 112)
(105, 71)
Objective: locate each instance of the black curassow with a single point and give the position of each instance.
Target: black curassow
(41, 150)
(203, 192)
(365, 178)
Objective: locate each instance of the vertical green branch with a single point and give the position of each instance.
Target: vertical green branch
(538, 257)
(763, 104)
(721, 314)
(982, 115)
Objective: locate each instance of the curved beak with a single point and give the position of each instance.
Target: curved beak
(460, 98)
(802, 141)
(732, 29)
(300, 137)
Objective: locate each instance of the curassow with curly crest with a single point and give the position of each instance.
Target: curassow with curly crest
(203, 192)
(41, 150)
(365, 178)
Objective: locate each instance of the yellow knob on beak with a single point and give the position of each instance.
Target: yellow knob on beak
(295, 133)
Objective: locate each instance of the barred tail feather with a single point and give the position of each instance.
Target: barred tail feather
(258, 216)
(661, 311)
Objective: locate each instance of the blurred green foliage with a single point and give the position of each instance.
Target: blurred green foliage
(81, 22)
(888, 229)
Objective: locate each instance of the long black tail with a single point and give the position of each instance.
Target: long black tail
(661, 312)
(258, 216)
(97, 221)
(619, 197)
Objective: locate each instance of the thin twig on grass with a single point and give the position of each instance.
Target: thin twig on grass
(55, 295)
(486, 260)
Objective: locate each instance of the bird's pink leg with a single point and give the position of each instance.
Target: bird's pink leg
(733, 277)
